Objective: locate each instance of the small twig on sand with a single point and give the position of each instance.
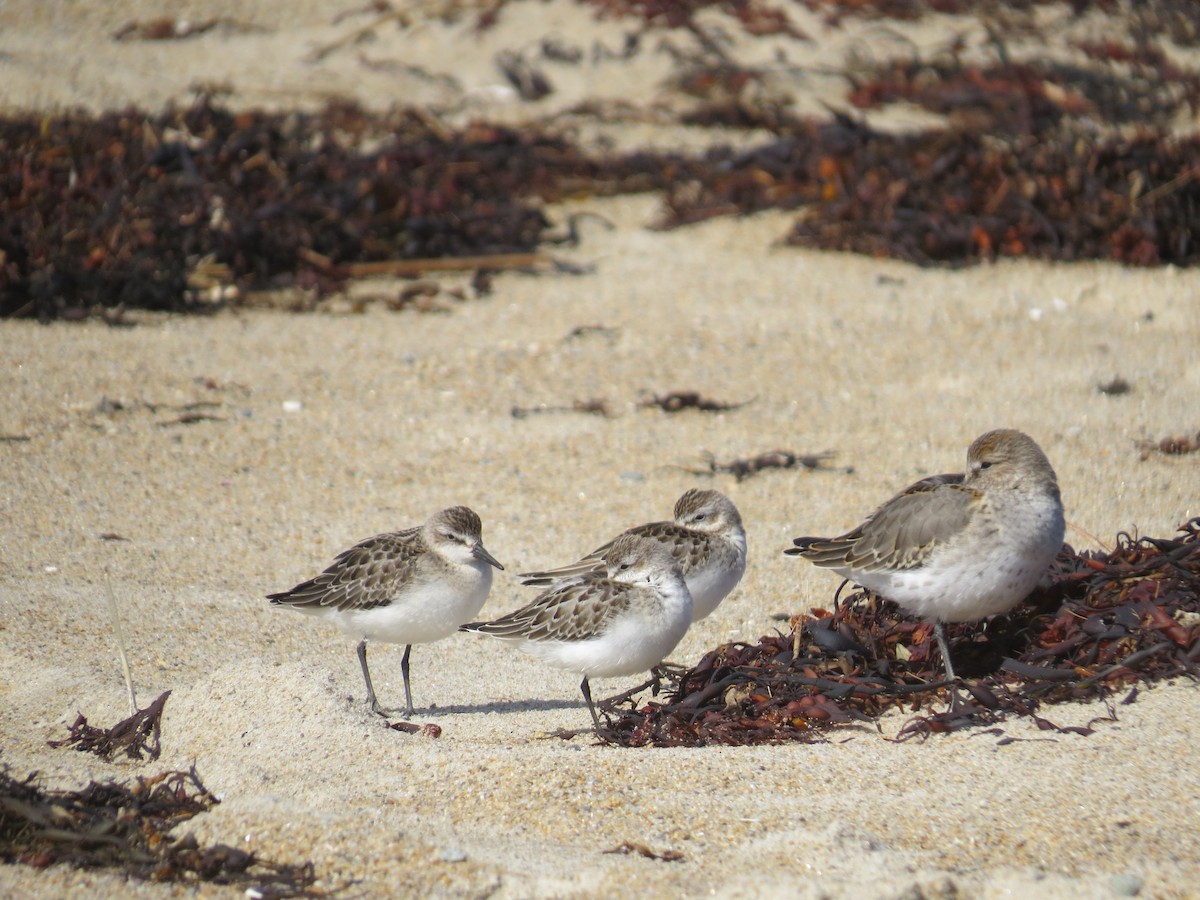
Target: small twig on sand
(402, 267)
(359, 34)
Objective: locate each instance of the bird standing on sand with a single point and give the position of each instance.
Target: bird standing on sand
(621, 621)
(956, 549)
(706, 538)
(404, 587)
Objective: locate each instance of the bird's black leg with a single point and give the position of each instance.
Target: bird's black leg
(362, 661)
(408, 706)
(372, 700)
(587, 695)
(956, 700)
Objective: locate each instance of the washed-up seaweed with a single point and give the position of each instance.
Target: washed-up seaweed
(1115, 387)
(1107, 621)
(677, 401)
(110, 825)
(1028, 166)
(962, 197)
(188, 209)
(1036, 97)
(607, 332)
(1179, 19)
(531, 83)
(627, 848)
(743, 468)
(756, 17)
(1176, 445)
(597, 406)
(137, 734)
(175, 210)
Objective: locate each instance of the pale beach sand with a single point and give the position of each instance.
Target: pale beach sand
(893, 368)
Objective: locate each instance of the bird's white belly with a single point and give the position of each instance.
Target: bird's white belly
(958, 593)
(967, 584)
(971, 579)
(425, 613)
(628, 647)
(710, 586)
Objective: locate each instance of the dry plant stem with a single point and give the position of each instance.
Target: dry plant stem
(120, 633)
(358, 34)
(446, 263)
(1091, 537)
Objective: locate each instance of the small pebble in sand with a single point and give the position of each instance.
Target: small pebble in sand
(1127, 884)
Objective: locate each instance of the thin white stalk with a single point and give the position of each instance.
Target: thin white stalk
(120, 633)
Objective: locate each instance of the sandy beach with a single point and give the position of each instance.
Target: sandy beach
(328, 427)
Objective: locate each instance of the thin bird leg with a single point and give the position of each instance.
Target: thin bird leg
(376, 706)
(587, 695)
(362, 660)
(939, 631)
(408, 707)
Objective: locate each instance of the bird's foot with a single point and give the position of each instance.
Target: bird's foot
(379, 710)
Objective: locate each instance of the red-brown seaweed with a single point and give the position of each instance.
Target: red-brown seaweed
(1109, 621)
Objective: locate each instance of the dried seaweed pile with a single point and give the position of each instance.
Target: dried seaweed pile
(930, 199)
(147, 210)
(1039, 97)
(964, 196)
(757, 17)
(1177, 19)
(114, 826)
(171, 210)
(140, 733)
(1180, 19)
(1030, 165)
(1108, 621)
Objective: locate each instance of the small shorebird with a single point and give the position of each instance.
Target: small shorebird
(957, 548)
(403, 587)
(706, 538)
(621, 621)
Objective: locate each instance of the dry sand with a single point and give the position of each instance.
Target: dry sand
(894, 368)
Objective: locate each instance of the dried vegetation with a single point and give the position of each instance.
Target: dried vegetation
(188, 209)
(1108, 622)
(127, 827)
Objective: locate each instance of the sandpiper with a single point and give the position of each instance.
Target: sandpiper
(404, 587)
(621, 621)
(957, 548)
(706, 538)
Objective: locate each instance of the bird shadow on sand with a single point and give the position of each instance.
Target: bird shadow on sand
(504, 706)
